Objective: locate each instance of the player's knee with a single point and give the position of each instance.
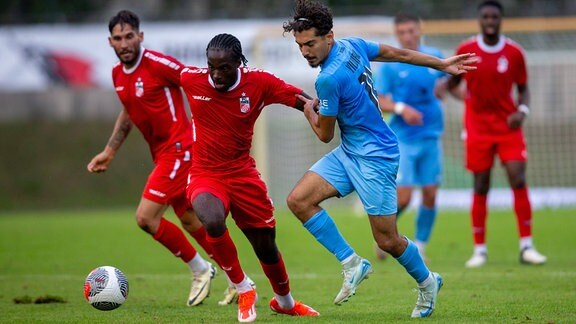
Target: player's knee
(481, 187)
(429, 200)
(210, 211)
(215, 224)
(296, 203)
(517, 181)
(387, 244)
(145, 222)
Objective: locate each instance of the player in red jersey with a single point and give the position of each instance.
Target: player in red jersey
(226, 99)
(148, 85)
(493, 126)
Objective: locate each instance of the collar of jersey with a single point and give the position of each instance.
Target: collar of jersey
(491, 48)
(232, 87)
(132, 69)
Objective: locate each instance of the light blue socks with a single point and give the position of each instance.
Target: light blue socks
(413, 263)
(325, 231)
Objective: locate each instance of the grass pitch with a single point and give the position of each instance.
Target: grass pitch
(50, 254)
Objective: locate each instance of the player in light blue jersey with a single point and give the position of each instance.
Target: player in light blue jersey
(408, 91)
(367, 158)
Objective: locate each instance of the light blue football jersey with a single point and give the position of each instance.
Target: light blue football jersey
(346, 90)
(413, 85)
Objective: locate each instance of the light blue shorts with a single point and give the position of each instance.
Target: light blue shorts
(420, 163)
(374, 179)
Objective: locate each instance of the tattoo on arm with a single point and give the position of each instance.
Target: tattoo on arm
(121, 130)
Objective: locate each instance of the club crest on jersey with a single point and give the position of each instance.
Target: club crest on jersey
(139, 88)
(502, 64)
(244, 103)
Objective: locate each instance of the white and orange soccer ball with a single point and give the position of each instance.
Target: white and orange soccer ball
(106, 288)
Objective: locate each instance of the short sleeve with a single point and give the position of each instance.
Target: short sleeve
(169, 68)
(328, 94)
(279, 91)
(372, 49)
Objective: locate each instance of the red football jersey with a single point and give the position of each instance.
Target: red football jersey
(489, 97)
(150, 92)
(223, 122)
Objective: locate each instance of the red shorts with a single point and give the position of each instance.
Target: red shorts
(243, 194)
(166, 184)
(480, 151)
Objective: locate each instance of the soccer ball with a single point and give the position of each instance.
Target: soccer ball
(106, 288)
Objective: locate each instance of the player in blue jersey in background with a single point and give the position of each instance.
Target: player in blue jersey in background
(408, 91)
(367, 158)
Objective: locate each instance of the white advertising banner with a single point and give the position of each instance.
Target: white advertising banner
(35, 57)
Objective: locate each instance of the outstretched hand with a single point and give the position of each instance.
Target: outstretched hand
(460, 64)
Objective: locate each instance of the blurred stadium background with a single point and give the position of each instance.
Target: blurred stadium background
(58, 105)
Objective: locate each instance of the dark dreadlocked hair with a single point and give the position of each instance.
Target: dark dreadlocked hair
(230, 43)
(310, 14)
(124, 17)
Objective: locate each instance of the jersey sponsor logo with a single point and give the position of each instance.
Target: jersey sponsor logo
(244, 103)
(157, 193)
(502, 64)
(403, 74)
(203, 98)
(139, 87)
(323, 103)
(194, 70)
(269, 220)
(251, 69)
(119, 88)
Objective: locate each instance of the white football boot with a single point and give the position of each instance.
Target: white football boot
(477, 260)
(427, 297)
(358, 271)
(531, 256)
(201, 286)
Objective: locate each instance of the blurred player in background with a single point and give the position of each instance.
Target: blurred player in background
(493, 126)
(148, 85)
(226, 99)
(407, 91)
(367, 158)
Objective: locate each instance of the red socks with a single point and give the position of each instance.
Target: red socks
(225, 252)
(479, 212)
(277, 276)
(172, 237)
(523, 211)
(200, 236)
(522, 208)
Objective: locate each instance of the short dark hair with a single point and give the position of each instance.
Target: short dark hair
(310, 14)
(405, 17)
(230, 43)
(124, 17)
(491, 3)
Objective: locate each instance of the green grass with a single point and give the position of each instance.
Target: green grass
(50, 253)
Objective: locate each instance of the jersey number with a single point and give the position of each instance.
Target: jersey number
(366, 80)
